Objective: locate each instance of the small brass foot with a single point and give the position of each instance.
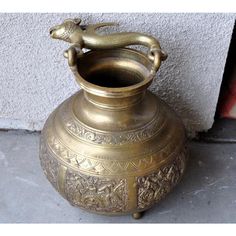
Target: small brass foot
(137, 215)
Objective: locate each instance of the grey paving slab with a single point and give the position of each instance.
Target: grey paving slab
(206, 194)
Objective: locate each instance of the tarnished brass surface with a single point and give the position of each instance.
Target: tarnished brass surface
(113, 147)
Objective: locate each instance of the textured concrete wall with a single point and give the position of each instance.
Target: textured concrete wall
(35, 77)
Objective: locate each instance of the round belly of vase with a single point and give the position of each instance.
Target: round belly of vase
(107, 173)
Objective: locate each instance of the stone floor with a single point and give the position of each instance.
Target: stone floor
(207, 192)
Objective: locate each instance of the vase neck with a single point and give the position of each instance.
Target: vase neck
(114, 103)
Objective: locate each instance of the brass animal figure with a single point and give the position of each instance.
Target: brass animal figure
(85, 36)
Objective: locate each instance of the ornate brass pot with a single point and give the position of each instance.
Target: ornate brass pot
(113, 147)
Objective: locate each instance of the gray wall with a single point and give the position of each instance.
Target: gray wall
(35, 77)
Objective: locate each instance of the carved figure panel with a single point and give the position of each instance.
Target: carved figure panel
(152, 188)
(96, 194)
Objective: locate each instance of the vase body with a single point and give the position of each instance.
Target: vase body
(113, 147)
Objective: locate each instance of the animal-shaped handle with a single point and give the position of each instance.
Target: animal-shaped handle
(85, 36)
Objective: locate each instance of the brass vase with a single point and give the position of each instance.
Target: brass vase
(113, 147)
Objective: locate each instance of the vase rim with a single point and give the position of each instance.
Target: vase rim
(114, 59)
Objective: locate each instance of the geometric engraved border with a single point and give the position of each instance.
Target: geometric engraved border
(100, 166)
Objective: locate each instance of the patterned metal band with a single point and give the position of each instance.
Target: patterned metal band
(104, 166)
(78, 130)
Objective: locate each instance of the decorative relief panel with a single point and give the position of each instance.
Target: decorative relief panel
(103, 194)
(49, 165)
(102, 166)
(96, 194)
(93, 193)
(154, 187)
(116, 138)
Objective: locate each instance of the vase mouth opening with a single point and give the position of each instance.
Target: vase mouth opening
(109, 77)
(114, 73)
